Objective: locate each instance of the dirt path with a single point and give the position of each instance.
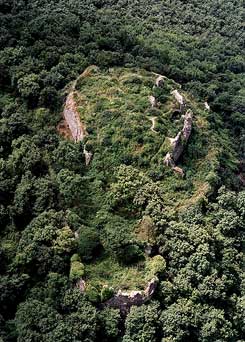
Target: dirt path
(153, 121)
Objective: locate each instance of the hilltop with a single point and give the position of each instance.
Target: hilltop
(125, 128)
(151, 152)
(121, 171)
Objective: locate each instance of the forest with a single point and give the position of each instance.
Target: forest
(76, 235)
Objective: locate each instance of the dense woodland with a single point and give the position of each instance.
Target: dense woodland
(47, 193)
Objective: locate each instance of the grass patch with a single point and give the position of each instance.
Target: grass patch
(108, 271)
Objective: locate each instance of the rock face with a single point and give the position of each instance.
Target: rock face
(179, 142)
(188, 118)
(124, 300)
(72, 127)
(72, 118)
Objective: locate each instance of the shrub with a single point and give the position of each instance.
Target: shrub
(77, 268)
(106, 293)
(155, 266)
(93, 294)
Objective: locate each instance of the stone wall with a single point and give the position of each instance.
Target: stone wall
(179, 142)
(124, 300)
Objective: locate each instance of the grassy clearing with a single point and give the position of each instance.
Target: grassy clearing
(115, 106)
(108, 271)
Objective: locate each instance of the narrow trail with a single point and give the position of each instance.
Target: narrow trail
(153, 120)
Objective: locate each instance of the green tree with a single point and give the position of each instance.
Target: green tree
(109, 320)
(142, 324)
(118, 240)
(70, 186)
(88, 242)
(28, 86)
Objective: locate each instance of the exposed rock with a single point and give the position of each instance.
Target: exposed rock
(151, 288)
(72, 127)
(153, 101)
(206, 105)
(168, 160)
(72, 118)
(178, 143)
(131, 294)
(174, 141)
(81, 285)
(178, 148)
(88, 156)
(179, 171)
(188, 118)
(160, 81)
(148, 250)
(124, 300)
(178, 97)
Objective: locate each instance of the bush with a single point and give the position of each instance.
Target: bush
(131, 254)
(156, 266)
(93, 294)
(106, 293)
(76, 271)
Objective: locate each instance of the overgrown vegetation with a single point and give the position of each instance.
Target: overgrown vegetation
(60, 221)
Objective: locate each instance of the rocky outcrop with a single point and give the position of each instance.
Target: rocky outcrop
(81, 285)
(72, 118)
(207, 107)
(186, 131)
(179, 98)
(179, 171)
(160, 81)
(88, 156)
(124, 300)
(72, 127)
(179, 142)
(153, 101)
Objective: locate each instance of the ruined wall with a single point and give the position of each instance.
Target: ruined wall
(179, 142)
(124, 300)
(72, 118)
(72, 127)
